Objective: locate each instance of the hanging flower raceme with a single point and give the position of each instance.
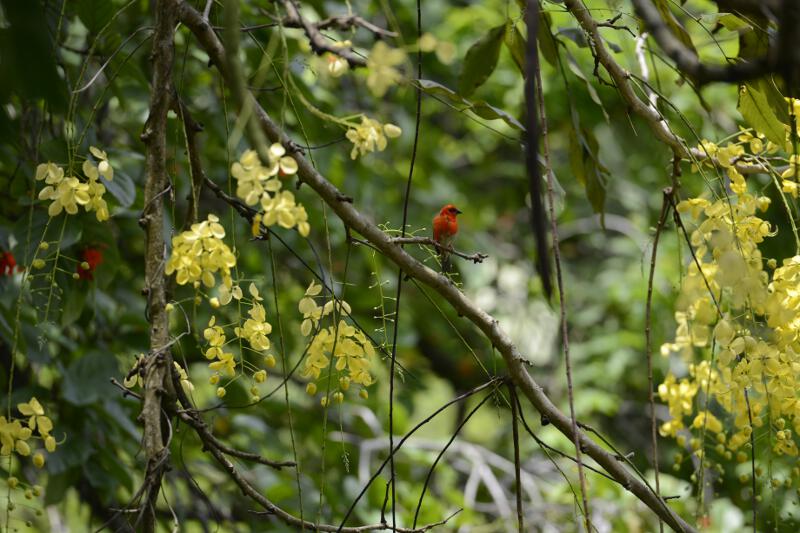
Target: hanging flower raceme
(255, 330)
(261, 184)
(16, 437)
(199, 253)
(738, 329)
(350, 348)
(67, 193)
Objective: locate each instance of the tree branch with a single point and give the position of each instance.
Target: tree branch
(490, 327)
(687, 60)
(319, 43)
(651, 115)
(159, 361)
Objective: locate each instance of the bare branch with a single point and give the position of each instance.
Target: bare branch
(319, 43)
(477, 257)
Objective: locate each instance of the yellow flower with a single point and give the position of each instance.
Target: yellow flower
(369, 136)
(35, 411)
(66, 196)
(256, 328)
(381, 64)
(336, 65)
(199, 253)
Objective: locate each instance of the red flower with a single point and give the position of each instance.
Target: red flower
(91, 257)
(7, 263)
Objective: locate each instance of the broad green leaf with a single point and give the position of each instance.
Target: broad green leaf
(122, 188)
(515, 43)
(481, 60)
(573, 66)
(674, 25)
(478, 107)
(86, 380)
(73, 302)
(588, 169)
(547, 43)
(95, 14)
(484, 110)
(757, 112)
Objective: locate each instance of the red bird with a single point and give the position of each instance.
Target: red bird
(445, 227)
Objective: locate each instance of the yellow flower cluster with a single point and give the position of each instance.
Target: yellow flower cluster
(381, 64)
(351, 349)
(370, 135)
(15, 437)
(67, 193)
(254, 330)
(200, 252)
(257, 183)
(742, 323)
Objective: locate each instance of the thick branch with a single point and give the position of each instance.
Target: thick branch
(159, 361)
(490, 327)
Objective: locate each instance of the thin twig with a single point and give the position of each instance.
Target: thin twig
(476, 257)
(539, 92)
(517, 466)
(662, 219)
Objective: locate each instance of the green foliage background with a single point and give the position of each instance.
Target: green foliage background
(73, 336)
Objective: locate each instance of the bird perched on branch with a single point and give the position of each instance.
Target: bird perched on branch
(445, 227)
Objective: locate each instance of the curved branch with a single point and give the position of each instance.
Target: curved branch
(347, 212)
(687, 60)
(645, 110)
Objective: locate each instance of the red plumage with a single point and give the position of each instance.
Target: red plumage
(445, 227)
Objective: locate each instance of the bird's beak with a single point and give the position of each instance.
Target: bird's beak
(458, 211)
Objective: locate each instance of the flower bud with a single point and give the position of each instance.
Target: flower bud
(85, 265)
(38, 460)
(220, 392)
(12, 482)
(44, 245)
(311, 389)
(269, 361)
(364, 394)
(392, 131)
(38, 263)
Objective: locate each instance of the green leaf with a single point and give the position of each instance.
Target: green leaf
(27, 62)
(573, 66)
(757, 112)
(547, 43)
(478, 107)
(95, 14)
(122, 188)
(484, 110)
(515, 43)
(86, 380)
(74, 302)
(481, 60)
(675, 26)
(588, 169)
